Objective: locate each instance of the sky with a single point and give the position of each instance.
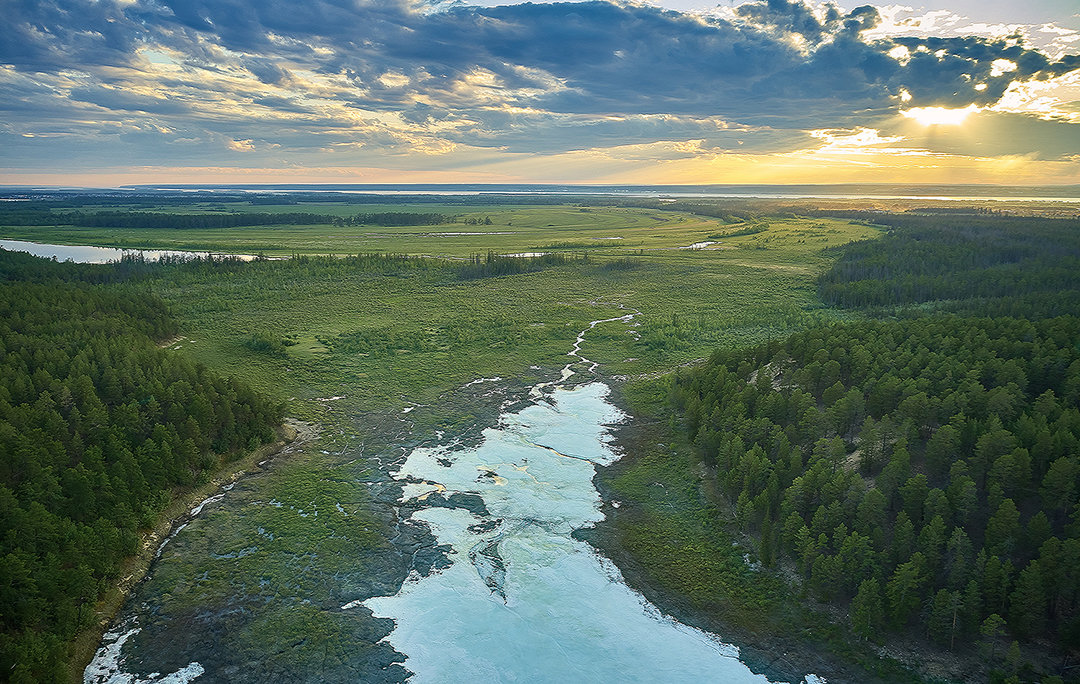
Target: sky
(102, 93)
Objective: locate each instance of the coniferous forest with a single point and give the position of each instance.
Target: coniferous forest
(919, 468)
(97, 426)
(913, 470)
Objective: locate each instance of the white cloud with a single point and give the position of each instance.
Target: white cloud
(1054, 99)
(377, 81)
(1000, 67)
(901, 54)
(859, 138)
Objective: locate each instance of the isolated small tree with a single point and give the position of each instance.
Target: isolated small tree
(992, 629)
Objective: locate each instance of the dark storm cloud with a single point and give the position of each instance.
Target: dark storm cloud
(780, 64)
(43, 35)
(527, 77)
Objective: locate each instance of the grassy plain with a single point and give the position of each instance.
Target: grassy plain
(513, 229)
(400, 334)
(377, 353)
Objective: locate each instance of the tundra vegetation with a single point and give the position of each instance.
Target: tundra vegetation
(370, 318)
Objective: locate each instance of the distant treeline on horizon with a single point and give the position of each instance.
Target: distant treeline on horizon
(369, 192)
(34, 216)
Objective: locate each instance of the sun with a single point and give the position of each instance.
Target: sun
(939, 116)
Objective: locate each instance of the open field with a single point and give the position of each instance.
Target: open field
(404, 332)
(513, 229)
(378, 352)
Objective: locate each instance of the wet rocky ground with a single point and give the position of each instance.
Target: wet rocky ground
(265, 583)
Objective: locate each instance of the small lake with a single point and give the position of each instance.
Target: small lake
(523, 600)
(85, 254)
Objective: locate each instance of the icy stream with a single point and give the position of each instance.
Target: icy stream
(524, 601)
(521, 601)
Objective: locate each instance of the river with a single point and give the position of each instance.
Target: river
(86, 254)
(523, 600)
(520, 600)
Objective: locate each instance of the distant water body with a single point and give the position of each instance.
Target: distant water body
(1054, 193)
(85, 254)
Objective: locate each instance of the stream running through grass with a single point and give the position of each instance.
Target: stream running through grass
(470, 570)
(523, 600)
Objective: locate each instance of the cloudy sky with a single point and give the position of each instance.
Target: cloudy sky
(106, 92)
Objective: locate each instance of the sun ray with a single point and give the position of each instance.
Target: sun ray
(939, 116)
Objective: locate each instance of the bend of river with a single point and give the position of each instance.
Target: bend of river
(521, 600)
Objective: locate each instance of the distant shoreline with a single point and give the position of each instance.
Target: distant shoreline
(960, 192)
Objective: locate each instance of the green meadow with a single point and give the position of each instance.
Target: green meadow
(391, 332)
(378, 352)
(512, 229)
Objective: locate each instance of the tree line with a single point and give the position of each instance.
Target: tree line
(177, 221)
(493, 265)
(98, 427)
(919, 469)
(1028, 267)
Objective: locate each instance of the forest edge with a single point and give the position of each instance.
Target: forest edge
(178, 512)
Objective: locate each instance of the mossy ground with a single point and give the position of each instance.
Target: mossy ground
(257, 582)
(136, 567)
(255, 589)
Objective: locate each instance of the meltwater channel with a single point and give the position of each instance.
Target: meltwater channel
(523, 601)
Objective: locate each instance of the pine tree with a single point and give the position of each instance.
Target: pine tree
(1003, 529)
(904, 587)
(993, 627)
(944, 619)
(1028, 602)
(867, 610)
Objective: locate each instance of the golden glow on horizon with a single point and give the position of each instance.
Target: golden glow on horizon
(632, 166)
(939, 116)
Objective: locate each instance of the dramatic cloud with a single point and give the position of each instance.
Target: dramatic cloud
(392, 84)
